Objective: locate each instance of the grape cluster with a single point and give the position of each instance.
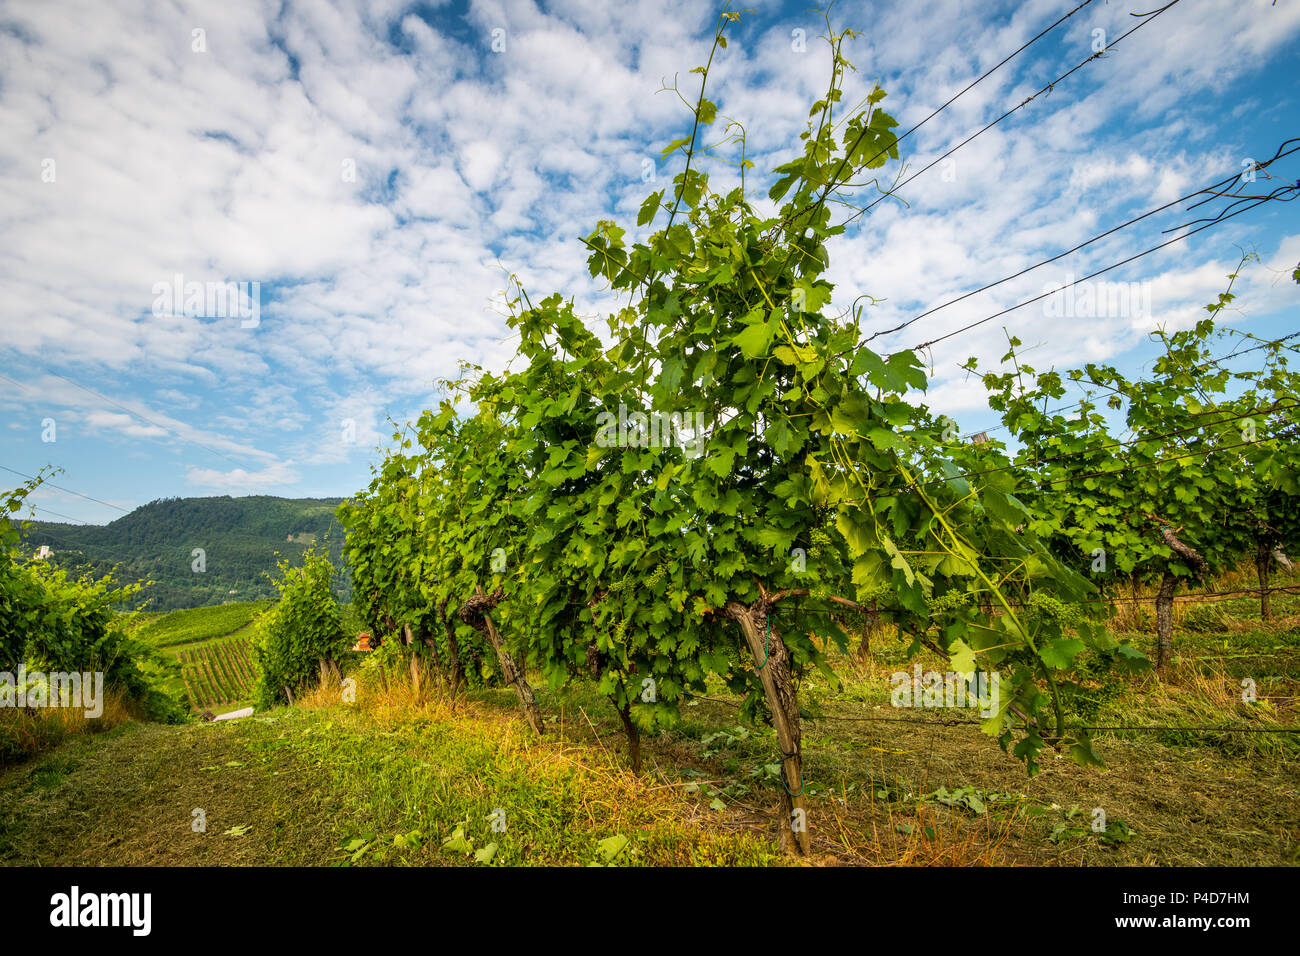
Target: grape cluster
(819, 544)
(947, 602)
(656, 576)
(1055, 609)
(620, 630)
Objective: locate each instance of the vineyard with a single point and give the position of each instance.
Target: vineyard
(728, 491)
(217, 674)
(198, 624)
(707, 577)
(211, 649)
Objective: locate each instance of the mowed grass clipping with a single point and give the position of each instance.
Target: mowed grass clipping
(321, 786)
(393, 782)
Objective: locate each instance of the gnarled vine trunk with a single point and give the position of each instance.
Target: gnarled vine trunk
(1165, 596)
(596, 662)
(873, 621)
(515, 677)
(773, 663)
(633, 737)
(454, 673)
(1165, 620)
(474, 613)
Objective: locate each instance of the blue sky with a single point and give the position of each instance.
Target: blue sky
(380, 167)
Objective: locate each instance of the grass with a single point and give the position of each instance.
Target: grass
(899, 790)
(26, 732)
(401, 778)
(322, 786)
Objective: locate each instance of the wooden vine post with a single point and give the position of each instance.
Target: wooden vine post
(409, 639)
(415, 637)
(454, 673)
(1165, 620)
(474, 612)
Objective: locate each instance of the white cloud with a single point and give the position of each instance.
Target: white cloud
(241, 480)
(236, 164)
(123, 423)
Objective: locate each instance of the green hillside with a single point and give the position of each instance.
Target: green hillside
(241, 539)
(195, 625)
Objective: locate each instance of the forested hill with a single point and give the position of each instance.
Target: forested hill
(241, 539)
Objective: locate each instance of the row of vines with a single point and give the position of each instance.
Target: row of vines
(1166, 481)
(218, 673)
(728, 483)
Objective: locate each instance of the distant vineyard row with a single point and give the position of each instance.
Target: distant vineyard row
(217, 673)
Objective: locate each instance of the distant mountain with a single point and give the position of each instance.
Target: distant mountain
(240, 539)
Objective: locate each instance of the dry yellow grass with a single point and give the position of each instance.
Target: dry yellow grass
(28, 731)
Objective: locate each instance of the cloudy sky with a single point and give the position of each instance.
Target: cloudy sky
(380, 167)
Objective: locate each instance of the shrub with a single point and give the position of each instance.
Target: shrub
(55, 622)
(18, 593)
(72, 627)
(27, 732)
